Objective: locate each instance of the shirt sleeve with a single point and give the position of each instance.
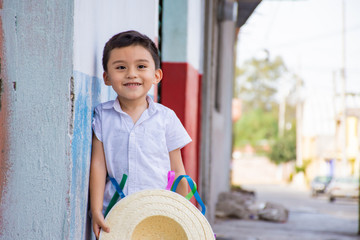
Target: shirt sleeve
(176, 135)
(96, 123)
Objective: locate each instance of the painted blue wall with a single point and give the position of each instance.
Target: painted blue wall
(86, 96)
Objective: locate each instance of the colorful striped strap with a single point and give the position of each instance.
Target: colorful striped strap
(193, 191)
(119, 192)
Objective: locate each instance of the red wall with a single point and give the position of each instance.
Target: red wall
(180, 89)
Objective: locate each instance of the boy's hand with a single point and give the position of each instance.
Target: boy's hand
(99, 223)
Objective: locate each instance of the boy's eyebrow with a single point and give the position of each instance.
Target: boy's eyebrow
(142, 60)
(122, 61)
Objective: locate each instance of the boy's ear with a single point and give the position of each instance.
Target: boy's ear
(158, 76)
(106, 79)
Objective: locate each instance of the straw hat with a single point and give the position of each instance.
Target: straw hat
(156, 215)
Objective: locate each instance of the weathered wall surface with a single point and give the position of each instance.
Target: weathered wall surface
(51, 80)
(4, 113)
(37, 64)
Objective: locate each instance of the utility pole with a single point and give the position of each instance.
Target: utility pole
(343, 102)
(282, 111)
(337, 129)
(299, 179)
(343, 96)
(299, 111)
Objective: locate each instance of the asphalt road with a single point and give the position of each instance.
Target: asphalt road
(309, 218)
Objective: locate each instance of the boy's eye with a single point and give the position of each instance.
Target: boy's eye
(121, 67)
(141, 66)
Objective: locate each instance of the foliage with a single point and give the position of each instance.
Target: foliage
(258, 81)
(255, 126)
(257, 85)
(284, 148)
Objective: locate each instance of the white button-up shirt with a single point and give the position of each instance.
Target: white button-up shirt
(140, 150)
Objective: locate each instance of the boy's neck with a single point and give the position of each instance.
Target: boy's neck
(134, 108)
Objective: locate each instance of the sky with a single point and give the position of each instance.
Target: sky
(308, 35)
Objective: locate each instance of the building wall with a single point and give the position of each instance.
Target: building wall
(352, 138)
(194, 43)
(52, 79)
(181, 59)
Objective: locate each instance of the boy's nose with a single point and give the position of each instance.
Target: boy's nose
(131, 73)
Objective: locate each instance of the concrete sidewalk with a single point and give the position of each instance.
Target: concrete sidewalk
(309, 218)
(304, 227)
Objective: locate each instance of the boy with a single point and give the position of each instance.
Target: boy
(132, 134)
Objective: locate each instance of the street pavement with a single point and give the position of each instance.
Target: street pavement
(309, 218)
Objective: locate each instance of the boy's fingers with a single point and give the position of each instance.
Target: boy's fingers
(98, 225)
(104, 226)
(96, 230)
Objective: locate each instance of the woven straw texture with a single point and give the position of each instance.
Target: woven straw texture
(156, 215)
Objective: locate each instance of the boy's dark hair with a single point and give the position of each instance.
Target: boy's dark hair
(129, 38)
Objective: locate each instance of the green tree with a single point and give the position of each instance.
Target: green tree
(254, 127)
(257, 85)
(257, 82)
(283, 149)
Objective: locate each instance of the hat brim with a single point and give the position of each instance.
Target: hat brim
(156, 214)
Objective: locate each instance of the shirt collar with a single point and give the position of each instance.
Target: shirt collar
(152, 106)
(116, 105)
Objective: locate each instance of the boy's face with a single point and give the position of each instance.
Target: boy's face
(131, 72)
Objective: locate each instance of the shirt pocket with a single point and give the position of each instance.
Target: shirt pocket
(152, 140)
(118, 141)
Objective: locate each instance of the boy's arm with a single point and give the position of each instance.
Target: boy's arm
(177, 166)
(97, 185)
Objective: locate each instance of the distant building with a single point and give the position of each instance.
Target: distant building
(324, 145)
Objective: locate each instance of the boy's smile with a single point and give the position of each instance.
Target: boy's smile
(131, 73)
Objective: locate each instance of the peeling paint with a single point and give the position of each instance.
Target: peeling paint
(87, 92)
(4, 148)
(1, 81)
(37, 58)
(16, 23)
(71, 114)
(1, 88)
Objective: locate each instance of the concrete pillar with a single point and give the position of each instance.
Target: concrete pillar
(36, 74)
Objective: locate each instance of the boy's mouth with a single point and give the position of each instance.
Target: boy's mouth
(132, 84)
